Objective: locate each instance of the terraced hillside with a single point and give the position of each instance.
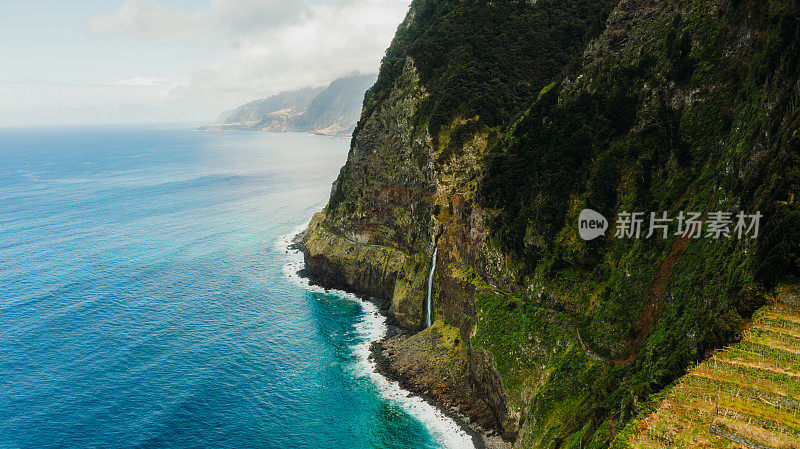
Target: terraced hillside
(746, 395)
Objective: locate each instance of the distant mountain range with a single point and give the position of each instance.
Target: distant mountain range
(331, 110)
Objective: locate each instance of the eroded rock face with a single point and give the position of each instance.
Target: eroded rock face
(336, 262)
(368, 270)
(435, 363)
(383, 193)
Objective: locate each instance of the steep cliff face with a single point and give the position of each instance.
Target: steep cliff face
(337, 108)
(492, 125)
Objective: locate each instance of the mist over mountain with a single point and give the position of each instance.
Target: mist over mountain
(257, 110)
(331, 110)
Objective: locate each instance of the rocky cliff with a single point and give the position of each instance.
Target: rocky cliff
(492, 125)
(274, 111)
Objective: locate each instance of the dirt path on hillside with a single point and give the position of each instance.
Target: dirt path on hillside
(656, 299)
(652, 310)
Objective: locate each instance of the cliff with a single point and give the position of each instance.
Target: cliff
(331, 110)
(337, 108)
(492, 125)
(272, 112)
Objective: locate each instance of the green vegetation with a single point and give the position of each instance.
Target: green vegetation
(739, 395)
(486, 59)
(527, 340)
(687, 124)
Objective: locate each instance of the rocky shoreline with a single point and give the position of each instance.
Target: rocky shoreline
(482, 438)
(393, 367)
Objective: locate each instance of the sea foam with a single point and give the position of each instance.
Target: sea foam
(372, 327)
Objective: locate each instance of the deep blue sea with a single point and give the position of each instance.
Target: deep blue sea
(147, 299)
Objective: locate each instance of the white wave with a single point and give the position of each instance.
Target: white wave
(372, 326)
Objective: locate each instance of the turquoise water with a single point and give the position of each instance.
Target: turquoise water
(144, 300)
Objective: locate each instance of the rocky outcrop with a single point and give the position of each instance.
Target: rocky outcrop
(368, 270)
(435, 363)
(338, 262)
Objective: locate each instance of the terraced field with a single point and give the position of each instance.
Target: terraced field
(744, 396)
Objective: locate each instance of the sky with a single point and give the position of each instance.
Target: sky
(173, 61)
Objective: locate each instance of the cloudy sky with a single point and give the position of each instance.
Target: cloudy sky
(145, 61)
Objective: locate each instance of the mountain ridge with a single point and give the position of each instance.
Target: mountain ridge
(329, 110)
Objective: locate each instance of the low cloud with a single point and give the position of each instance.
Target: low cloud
(268, 45)
(224, 22)
(143, 81)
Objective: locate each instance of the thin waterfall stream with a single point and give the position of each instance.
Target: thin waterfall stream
(430, 289)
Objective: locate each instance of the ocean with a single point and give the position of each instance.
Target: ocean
(148, 299)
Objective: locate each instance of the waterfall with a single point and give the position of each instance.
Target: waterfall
(430, 289)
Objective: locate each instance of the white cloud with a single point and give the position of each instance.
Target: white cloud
(143, 81)
(268, 45)
(225, 21)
